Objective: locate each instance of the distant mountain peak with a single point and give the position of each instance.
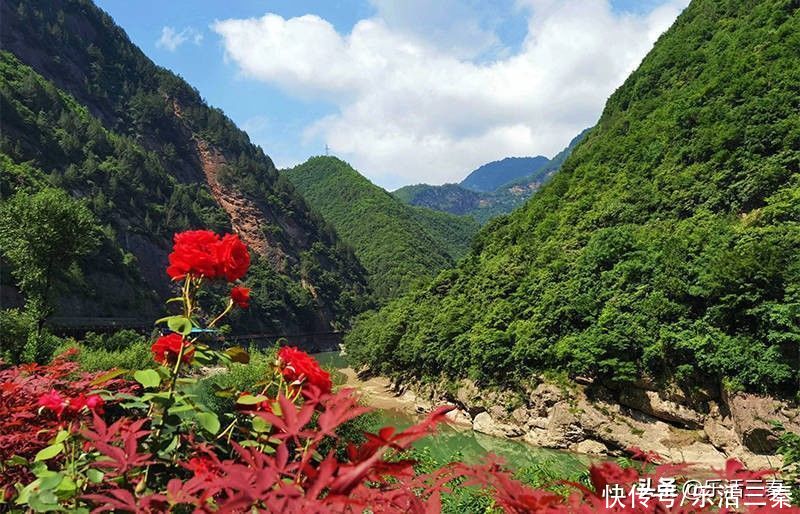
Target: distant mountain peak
(485, 205)
(492, 175)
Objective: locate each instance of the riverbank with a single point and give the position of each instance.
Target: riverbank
(701, 428)
(378, 392)
(457, 439)
(588, 419)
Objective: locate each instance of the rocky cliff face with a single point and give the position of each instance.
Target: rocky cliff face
(705, 429)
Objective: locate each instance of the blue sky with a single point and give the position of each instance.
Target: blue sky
(407, 91)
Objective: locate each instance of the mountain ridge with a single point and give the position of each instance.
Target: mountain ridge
(398, 244)
(490, 176)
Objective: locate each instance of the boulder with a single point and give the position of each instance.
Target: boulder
(522, 416)
(559, 430)
(650, 402)
(562, 416)
(497, 412)
(485, 424)
(753, 418)
(720, 435)
(591, 447)
(469, 396)
(545, 439)
(459, 417)
(547, 395)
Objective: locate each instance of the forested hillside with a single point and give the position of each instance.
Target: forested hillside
(398, 244)
(668, 245)
(86, 112)
(482, 203)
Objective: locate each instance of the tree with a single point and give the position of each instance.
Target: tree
(41, 236)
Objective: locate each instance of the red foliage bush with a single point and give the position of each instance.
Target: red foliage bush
(37, 401)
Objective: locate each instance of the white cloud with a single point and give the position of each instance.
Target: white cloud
(462, 28)
(419, 105)
(171, 39)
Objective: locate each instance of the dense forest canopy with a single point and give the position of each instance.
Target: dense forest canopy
(398, 244)
(668, 245)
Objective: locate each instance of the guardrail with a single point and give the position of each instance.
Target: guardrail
(78, 327)
(311, 342)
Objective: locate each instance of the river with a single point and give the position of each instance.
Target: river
(450, 442)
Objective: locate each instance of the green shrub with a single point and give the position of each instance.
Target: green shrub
(460, 498)
(114, 342)
(21, 342)
(212, 390)
(550, 473)
(41, 346)
(790, 451)
(135, 356)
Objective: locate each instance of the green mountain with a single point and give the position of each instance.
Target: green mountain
(453, 233)
(667, 246)
(397, 243)
(485, 205)
(494, 174)
(85, 111)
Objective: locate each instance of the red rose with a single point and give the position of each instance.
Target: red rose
(95, 403)
(298, 366)
(241, 296)
(194, 252)
(232, 258)
(204, 254)
(167, 348)
(53, 401)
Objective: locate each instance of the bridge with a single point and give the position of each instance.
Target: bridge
(311, 342)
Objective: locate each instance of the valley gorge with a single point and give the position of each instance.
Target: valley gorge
(637, 294)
